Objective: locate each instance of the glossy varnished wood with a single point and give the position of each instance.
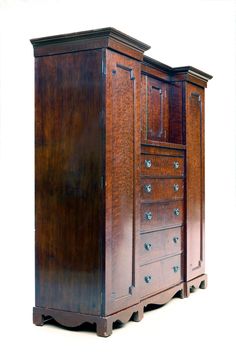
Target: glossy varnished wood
(162, 165)
(158, 244)
(155, 109)
(118, 136)
(160, 275)
(195, 180)
(162, 215)
(68, 170)
(122, 180)
(162, 189)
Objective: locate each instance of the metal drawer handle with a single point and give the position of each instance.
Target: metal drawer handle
(176, 164)
(176, 187)
(176, 211)
(175, 269)
(148, 278)
(148, 188)
(175, 239)
(148, 246)
(148, 215)
(148, 163)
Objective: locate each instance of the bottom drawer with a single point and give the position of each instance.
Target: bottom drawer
(160, 275)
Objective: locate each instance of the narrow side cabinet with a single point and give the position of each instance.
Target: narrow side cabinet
(119, 179)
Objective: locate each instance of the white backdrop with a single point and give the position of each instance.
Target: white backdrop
(198, 33)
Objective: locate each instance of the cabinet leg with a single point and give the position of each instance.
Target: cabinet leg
(104, 327)
(138, 316)
(38, 319)
(181, 294)
(203, 284)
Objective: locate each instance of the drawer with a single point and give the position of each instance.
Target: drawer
(155, 189)
(160, 165)
(154, 245)
(160, 275)
(161, 215)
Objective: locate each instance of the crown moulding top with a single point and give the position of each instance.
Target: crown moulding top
(111, 38)
(175, 72)
(100, 38)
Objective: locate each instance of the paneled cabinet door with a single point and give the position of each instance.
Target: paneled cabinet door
(155, 109)
(122, 180)
(195, 180)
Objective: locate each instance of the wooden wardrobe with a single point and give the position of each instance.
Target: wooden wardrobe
(119, 179)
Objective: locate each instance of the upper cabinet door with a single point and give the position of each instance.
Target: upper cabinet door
(155, 109)
(122, 180)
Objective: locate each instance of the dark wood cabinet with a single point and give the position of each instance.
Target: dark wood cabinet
(119, 179)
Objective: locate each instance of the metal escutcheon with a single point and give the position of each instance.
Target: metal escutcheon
(176, 211)
(176, 187)
(148, 163)
(175, 239)
(175, 269)
(148, 188)
(176, 164)
(148, 215)
(148, 278)
(148, 246)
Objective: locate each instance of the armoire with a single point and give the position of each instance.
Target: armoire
(119, 179)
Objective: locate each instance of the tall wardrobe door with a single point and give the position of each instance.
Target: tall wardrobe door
(195, 180)
(122, 176)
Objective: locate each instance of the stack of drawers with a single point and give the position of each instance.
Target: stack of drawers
(162, 218)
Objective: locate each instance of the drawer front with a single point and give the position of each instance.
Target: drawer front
(154, 245)
(160, 165)
(153, 189)
(161, 215)
(160, 275)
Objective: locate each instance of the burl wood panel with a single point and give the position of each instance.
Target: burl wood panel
(160, 275)
(68, 171)
(162, 215)
(162, 165)
(159, 244)
(195, 180)
(155, 109)
(177, 111)
(161, 189)
(122, 180)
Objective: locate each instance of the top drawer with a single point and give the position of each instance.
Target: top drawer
(162, 165)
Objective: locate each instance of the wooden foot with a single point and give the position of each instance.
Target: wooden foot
(181, 294)
(192, 285)
(104, 327)
(138, 316)
(38, 319)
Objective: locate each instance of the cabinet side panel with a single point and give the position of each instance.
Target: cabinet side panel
(122, 168)
(195, 180)
(68, 172)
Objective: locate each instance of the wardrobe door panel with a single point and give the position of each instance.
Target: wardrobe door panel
(155, 114)
(195, 180)
(122, 166)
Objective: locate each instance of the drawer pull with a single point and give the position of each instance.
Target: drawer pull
(175, 239)
(148, 215)
(176, 187)
(148, 188)
(148, 278)
(176, 164)
(148, 163)
(148, 246)
(176, 269)
(176, 211)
